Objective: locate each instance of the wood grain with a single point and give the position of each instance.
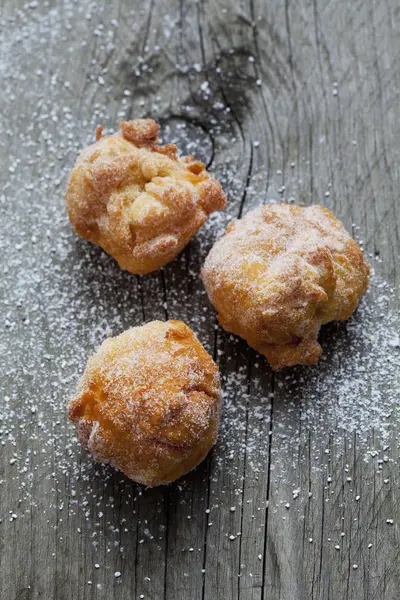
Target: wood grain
(291, 100)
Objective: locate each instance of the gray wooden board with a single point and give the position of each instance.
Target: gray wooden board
(291, 100)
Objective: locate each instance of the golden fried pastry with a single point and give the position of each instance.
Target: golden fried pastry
(149, 402)
(138, 200)
(280, 273)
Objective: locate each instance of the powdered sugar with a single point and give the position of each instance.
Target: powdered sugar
(61, 297)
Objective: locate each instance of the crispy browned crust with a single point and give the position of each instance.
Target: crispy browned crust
(149, 402)
(281, 272)
(137, 199)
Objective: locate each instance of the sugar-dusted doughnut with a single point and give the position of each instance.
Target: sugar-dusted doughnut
(149, 402)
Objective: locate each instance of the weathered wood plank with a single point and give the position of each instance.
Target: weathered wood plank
(291, 100)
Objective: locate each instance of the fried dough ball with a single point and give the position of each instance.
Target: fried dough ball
(280, 273)
(138, 200)
(149, 402)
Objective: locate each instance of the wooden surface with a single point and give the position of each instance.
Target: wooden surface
(297, 100)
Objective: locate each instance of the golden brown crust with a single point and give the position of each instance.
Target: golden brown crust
(149, 402)
(281, 272)
(137, 199)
